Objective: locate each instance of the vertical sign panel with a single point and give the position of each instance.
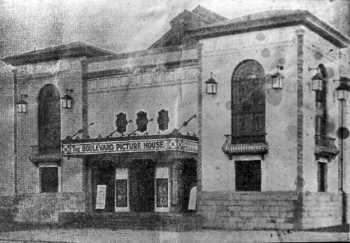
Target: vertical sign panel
(101, 196)
(121, 190)
(162, 192)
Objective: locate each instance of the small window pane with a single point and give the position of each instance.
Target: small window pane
(49, 179)
(322, 177)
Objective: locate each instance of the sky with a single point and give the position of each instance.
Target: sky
(122, 25)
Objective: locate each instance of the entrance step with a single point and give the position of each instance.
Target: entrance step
(131, 220)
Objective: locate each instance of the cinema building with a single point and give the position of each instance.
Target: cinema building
(247, 110)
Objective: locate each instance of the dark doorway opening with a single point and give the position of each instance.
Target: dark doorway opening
(104, 175)
(189, 180)
(142, 174)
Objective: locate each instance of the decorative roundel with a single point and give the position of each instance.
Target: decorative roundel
(260, 36)
(65, 149)
(265, 52)
(172, 144)
(342, 69)
(318, 55)
(343, 132)
(282, 61)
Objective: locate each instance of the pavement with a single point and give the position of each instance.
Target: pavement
(94, 235)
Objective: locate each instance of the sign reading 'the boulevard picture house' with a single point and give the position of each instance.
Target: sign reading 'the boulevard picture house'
(131, 146)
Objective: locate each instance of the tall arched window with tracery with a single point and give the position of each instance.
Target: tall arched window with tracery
(248, 103)
(49, 119)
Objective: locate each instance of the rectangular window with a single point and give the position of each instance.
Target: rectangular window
(322, 177)
(48, 179)
(248, 175)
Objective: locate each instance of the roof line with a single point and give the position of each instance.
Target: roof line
(298, 17)
(152, 51)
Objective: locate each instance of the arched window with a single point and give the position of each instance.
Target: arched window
(49, 119)
(248, 103)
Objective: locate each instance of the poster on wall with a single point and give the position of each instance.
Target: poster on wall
(101, 196)
(121, 199)
(162, 192)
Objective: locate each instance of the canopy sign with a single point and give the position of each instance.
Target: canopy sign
(129, 146)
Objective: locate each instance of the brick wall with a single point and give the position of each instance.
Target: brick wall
(321, 209)
(45, 207)
(6, 209)
(248, 210)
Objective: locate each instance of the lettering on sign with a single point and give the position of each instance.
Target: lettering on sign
(131, 146)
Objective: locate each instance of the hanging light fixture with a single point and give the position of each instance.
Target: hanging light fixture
(343, 88)
(67, 100)
(22, 104)
(277, 78)
(317, 82)
(211, 85)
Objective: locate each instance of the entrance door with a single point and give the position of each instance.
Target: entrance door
(142, 186)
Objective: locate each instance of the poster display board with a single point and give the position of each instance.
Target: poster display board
(101, 196)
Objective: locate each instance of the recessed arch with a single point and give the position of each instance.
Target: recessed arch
(49, 119)
(248, 102)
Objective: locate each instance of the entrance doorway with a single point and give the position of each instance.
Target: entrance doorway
(104, 188)
(189, 180)
(142, 176)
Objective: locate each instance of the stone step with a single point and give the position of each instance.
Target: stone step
(160, 221)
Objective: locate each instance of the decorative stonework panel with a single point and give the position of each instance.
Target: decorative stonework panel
(147, 79)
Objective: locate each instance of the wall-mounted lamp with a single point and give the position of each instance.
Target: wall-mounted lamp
(343, 88)
(211, 85)
(317, 82)
(22, 104)
(67, 100)
(277, 78)
(319, 77)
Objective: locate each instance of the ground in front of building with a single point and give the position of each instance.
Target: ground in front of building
(107, 235)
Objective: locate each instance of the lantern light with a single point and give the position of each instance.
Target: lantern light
(211, 85)
(343, 88)
(277, 80)
(67, 100)
(317, 82)
(22, 104)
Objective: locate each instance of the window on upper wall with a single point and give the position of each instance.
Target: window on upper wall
(163, 120)
(248, 103)
(322, 177)
(49, 119)
(141, 121)
(49, 179)
(248, 175)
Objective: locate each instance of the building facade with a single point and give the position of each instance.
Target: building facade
(229, 106)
